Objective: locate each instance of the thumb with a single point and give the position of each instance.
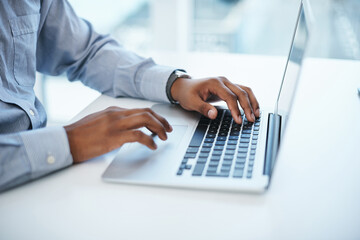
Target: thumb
(206, 109)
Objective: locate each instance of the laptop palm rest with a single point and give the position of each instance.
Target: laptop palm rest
(136, 161)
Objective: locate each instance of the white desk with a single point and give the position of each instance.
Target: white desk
(315, 191)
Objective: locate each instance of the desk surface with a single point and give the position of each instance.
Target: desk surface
(315, 191)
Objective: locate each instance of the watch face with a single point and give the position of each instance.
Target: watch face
(181, 74)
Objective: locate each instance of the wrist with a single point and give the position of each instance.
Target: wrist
(175, 77)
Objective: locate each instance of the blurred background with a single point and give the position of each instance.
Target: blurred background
(261, 27)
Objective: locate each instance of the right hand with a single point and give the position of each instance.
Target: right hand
(104, 131)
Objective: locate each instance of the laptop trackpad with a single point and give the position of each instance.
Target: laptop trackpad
(136, 161)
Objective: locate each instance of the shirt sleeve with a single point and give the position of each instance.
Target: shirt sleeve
(69, 44)
(29, 155)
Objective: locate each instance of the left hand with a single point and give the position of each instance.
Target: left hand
(193, 94)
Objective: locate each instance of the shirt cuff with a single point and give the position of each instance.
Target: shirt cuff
(153, 82)
(48, 150)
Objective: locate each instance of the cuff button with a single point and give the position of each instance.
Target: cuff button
(51, 159)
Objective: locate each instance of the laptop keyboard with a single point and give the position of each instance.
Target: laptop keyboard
(222, 148)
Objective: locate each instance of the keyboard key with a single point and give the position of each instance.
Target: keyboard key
(246, 131)
(190, 155)
(205, 150)
(235, 133)
(252, 152)
(213, 164)
(187, 166)
(254, 142)
(232, 142)
(221, 139)
(252, 157)
(207, 145)
(255, 133)
(179, 172)
(238, 173)
(215, 158)
(201, 160)
(239, 166)
(243, 145)
(203, 155)
(192, 150)
(225, 168)
(210, 135)
(253, 147)
(249, 175)
(244, 140)
(233, 137)
(184, 161)
(256, 128)
(182, 166)
(220, 143)
(217, 153)
(229, 152)
(241, 155)
(219, 148)
(243, 150)
(228, 157)
(245, 136)
(199, 168)
(198, 136)
(251, 164)
(211, 169)
(227, 163)
(211, 174)
(255, 137)
(223, 174)
(209, 140)
(240, 160)
(230, 147)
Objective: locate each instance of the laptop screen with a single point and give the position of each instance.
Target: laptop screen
(292, 68)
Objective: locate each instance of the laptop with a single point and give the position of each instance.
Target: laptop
(216, 154)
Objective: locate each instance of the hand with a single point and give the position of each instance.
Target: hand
(192, 94)
(109, 129)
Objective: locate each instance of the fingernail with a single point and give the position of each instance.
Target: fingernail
(170, 128)
(211, 113)
(239, 119)
(154, 146)
(257, 112)
(253, 117)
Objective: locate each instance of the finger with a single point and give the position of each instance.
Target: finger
(204, 108)
(138, 136)
(231, 99)
(244, 101)
(161, 119)
(143, 119)
(253, 101)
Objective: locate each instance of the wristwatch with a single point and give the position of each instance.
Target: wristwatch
(179, 73)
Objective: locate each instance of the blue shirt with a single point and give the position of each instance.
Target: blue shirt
(47, 36)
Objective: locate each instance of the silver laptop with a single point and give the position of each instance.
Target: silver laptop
(216, 154)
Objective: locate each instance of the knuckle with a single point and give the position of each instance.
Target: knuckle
(137, 134)
(244, 93)
(223, 79)
(214, 80)
(203, 109)
(148, 110)
(232, 97)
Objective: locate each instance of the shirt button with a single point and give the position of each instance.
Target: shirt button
(32, 112)
(50, 159)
